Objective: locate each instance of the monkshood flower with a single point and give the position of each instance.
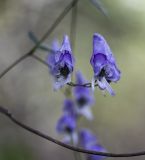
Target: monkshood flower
(89, 141)
(66, 125)
(104, 64)
(61, 63)
(83, 97)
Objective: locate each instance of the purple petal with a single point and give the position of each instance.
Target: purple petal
(65, 44)
(98, 61)
(87, 138)
(67, 58)
(55, 45)
(51, 58)
(69, 107)
(100, 45)
(66, 124)
(114, 75)
(79, 78)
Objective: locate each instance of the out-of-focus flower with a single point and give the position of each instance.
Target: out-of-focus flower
(69, 107)
(104, 64)
(83, 97)
(87, 138)
(66, 124)
(89, 141)
(61, 63)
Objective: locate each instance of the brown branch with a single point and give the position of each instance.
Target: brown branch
(50, 30)
(14, 64)
(5, 112)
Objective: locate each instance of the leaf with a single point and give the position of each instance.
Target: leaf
(98, 4)
(35, 40)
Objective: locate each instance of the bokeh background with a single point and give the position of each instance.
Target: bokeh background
(119, 122)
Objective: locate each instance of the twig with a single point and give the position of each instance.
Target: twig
(39, 59)
(5, 112)
(57, 21)
(14, 64)
(73, 25)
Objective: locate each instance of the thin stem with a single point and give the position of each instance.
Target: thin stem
(5, 112)
(14, 64)
(73, 25)
(54, 25)
(39, 59)
(58, 20)
(88, 85)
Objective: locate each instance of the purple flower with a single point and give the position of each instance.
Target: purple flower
(66, 124)
(87, 138)
(61, 63)
(104, 64)
(83, 97)
(89, 141)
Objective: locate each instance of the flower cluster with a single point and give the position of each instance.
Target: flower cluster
(73, 109)
(61, 64)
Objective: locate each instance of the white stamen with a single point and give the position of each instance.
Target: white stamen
(93, 84)
(108, 86)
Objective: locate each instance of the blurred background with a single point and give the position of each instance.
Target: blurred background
(119, 122)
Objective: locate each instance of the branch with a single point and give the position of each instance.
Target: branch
(14, 64)
(6, 112)
(31, 52)
(73, 25)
